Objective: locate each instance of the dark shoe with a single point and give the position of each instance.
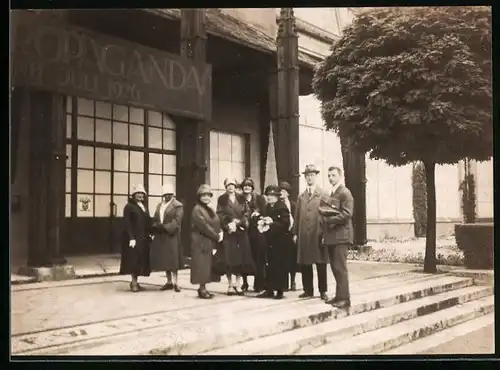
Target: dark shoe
(140, 287)
(266, 294)
(293, 287)
(134, 287)
(306, 295)
(332, 301)
(210, 294)
(323, 297)
(342, 304)
(279, 295)
(244, 287)
(167, 286)
(176, 289)
(203, 294)
(231, 291)
(238, 291)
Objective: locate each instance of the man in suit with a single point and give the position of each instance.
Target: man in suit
(307, 234)
(338, 233)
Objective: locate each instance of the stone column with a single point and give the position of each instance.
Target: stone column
(354, 164)
(287, 128)
(193, 46)
(46, 177)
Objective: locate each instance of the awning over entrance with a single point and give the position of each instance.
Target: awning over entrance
(228, 27)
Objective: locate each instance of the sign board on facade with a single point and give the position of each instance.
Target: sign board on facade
(76, 61)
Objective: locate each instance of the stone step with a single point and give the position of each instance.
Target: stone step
(422, 345)
(300, 341)
(181, 309)
(233, 326)
(385, 339)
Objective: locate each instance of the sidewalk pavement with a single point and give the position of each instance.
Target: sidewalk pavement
(49, 305)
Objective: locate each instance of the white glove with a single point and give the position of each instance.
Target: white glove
(131, 243)
(255, 214)
(232, 227)
(295, 238)
(214, 251)
(221, 236)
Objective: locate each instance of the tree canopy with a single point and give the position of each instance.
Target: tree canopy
(412, 84)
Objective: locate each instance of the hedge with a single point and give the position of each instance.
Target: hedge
(476, 242)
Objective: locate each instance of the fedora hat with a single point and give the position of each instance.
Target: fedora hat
(310, 168)
(228, 182)
(139, 188)
(272, 190)
(167, 189)
(204, 189)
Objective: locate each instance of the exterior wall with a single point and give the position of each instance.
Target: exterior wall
(332, 20)
(20, 189)
(239, 118)
(484, 189)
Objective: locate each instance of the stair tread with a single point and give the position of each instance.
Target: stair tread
(352, 345)
(186, 336)
(444, 336)
(332, 327)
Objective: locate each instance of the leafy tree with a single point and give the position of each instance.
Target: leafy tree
(413, 84)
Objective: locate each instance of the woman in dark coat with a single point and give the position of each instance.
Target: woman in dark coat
(136, 238)
(165, 254)
(286, 190)
(206, 234)
(233, 213)
(256, 204)
(275, 226)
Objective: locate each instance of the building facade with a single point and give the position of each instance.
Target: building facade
(196, 96)
(98, 108)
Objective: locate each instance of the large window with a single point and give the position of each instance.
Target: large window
(227, 159)
(115, 147)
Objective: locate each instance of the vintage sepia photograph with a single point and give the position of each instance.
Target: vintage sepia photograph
(309, 181)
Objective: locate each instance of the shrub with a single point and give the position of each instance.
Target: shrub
(476, 242)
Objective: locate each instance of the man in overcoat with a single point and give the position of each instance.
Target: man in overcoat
(338, 234)
(165, 253)
(307, 233)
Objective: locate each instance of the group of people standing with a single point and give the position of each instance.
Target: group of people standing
(270, 237)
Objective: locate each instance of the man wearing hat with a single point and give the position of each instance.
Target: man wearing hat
(136, 238)
(256, 204)
(307, 233)
(166, 248)
(286, 190)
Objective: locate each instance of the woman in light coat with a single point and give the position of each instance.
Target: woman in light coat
(165, 254)
(136, 238)
(206, 234)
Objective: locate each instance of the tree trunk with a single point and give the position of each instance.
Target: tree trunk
(430, 240)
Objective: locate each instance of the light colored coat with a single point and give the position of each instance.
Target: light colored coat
(307, 227)
(165, 254)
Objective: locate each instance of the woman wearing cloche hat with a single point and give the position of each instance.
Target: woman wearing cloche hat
(206, 234)
(166, 248)
(233, 212)
(275, 225)
(136, 238)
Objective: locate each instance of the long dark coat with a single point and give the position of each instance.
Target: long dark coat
(236, 246)
(165, 254)
(136, 226)
(257, 203)
(292, 246)
(278, 250)
(308, 229)
(205, 229)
